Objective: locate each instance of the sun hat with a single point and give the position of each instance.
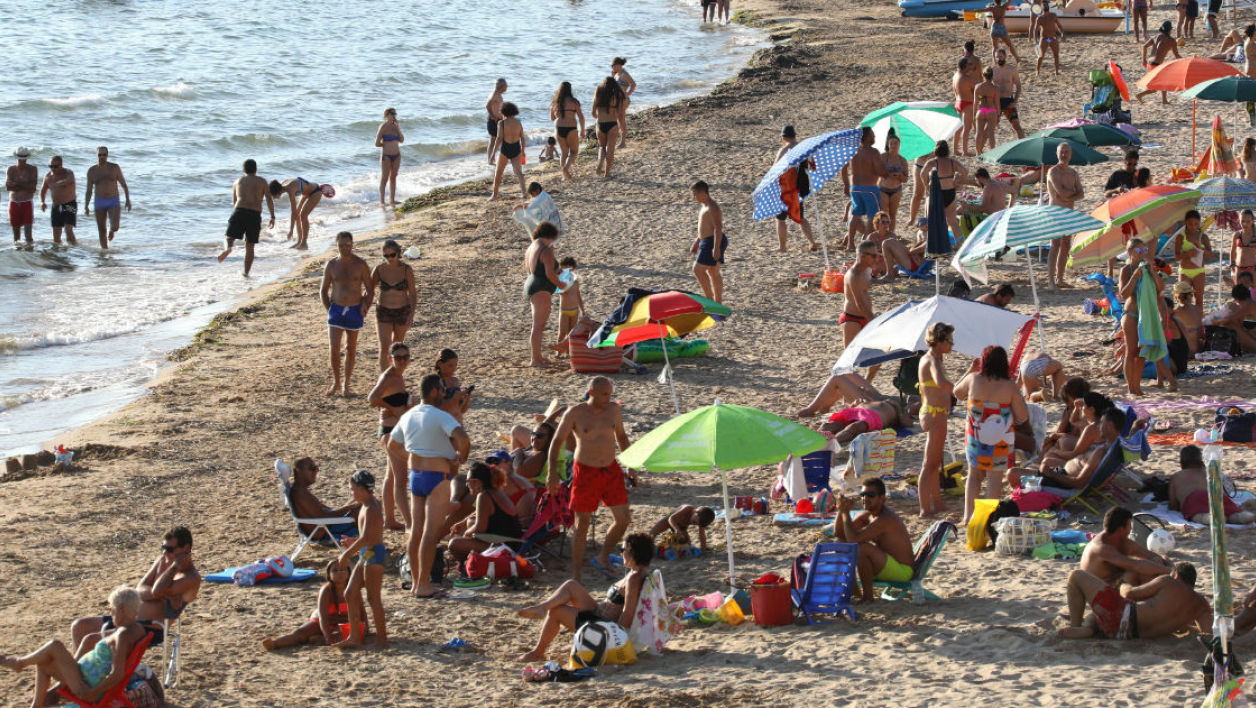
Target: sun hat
(22, 153)
(1182, 287)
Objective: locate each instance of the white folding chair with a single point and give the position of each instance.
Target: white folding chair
(284, 473)
(170, 650)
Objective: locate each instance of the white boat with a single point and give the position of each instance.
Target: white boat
(1078, 17)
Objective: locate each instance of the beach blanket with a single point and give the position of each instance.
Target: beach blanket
(1152, 343)
(298, 575)
(1180, 439)
(1190, 404)
(792, 519)
(1205, 371)
(1175, 518)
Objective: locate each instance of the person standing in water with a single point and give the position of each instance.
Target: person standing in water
(309, 195)
(608, 104)
(60, 182)
(246, 219)
(709, 247)
(494, 109)
(511, 138)
(629, 87)
(389, 139)
(346, 294)
(105, 177)
(568, 126)
(20, 182)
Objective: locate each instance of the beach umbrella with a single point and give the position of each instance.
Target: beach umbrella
(1144, 212)
(1088, 133)
(937, 234)
(1222, 593)
(900, 333)
(1225, 193)
(1039, 151)
(829, 151)
(1183, 74)
(919, 125)
(1234, 89)
(721, 437)
(1220, 157)
(658, 314)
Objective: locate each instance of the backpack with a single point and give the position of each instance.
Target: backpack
(908, 376)
(1236, 425)
(1221, 339)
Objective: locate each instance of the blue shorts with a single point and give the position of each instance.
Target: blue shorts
(107, 203)
(379, 554)
(865, 200)
(347, 317)
(422, 482)
(706, 251)
(998, 29)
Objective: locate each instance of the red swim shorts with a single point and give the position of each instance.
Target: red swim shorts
(593, 485)
(1197, 503)
(22, 213)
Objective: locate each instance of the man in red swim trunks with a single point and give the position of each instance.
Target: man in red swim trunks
(1165, 605)
(857, 310)
(21, 182)
(596, 478)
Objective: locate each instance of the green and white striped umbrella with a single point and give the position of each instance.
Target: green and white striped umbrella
(1022, 226)
(919, 125)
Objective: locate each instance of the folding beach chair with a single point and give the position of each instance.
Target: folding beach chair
(171, 634)
(284, 473)
(830, 581)
(116, 696)
(1113, 461)
(925, 552)
(924, 271)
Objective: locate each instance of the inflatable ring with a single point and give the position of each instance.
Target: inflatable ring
(328, 190)
(468, 583)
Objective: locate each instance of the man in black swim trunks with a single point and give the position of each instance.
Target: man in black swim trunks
(709, 8)
(246, 219)
(494, 109)
(1007, 78)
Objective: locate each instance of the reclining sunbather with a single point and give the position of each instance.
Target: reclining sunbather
(1188, 492)
(1163, 606)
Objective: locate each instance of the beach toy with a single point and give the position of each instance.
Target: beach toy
(328, 190)
(346, 630)
(413, 252)
(1161, 541)
(804, 506)
(770, 601)
(710, 601)
(833, 281)
(731, 612)
(64, 456)
(598, 643)
(708, 617)
(806, 280)
(1118, 80)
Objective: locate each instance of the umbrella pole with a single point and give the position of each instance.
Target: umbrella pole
(1194, 103)
(728, 529)
(1033, 286)
(1220, 277)
(824, 245)
(671, 377)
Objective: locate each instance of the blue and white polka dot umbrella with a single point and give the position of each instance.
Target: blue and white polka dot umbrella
(831, 152)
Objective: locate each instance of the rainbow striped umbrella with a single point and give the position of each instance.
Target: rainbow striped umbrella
(1145, 213)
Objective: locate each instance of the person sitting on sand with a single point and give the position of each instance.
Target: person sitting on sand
(680, 521)
(1188, 316)
(494, 513)
(1115, 558)
(885, 551)
(893, 251)
(88, 673)
(1035, 371)
(549, 150)
(1233, 314)
(368, 574)
(1163, 606)
(307, 506)
(1075, 473)
(996, 194)
(1188, 492)
(323, 626)
(571, 605)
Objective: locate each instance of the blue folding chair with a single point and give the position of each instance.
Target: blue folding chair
(815, 469)
(924, 271)
(1100, 100)
(830, 581)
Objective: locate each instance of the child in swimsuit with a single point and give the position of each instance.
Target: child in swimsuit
(369, 572)
(327, 620)
(1192, 248)
(570, 303)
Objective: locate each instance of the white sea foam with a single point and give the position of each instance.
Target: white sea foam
(176, 90)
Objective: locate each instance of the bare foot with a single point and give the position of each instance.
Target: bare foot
(348, 393)
(1064, 285)
(11, 662)
(539, 364)
(223, 256)
(814, 247)
(494, 197)
(1173, 386)
(268, 643)
(533, 655)
(348, 644)
(379, 643)
(807, 412)
(532, 612)
(333, 390)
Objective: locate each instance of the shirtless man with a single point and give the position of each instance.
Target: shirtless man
(789, 139)
(974, 61)
(1188, 492)
(1000, 297)
(1160, 46)
(1050, 34)
(60, 182)
(859, 180)
(246, 219)
(998, 29)
(307, 506)
(1114, 558)
(996, 195)
(1249, 51)
(20, 183)
(878, 413)
(962, 83)
(885, 551)
(1161, 607)
(596, 478)
(1064, 188)
(494, 109)
(857, 310)
(1008, 80)
(1189, 316)
(1241, 308)
(346, 293)
(104, 178)
(708, 248)
(166, 589)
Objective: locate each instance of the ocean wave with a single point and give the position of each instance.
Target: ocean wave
(12, 344)
(233, 142)
(176, 90)
(71, 102)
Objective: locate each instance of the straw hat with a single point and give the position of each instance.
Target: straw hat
(22, 153)
(1182, 287)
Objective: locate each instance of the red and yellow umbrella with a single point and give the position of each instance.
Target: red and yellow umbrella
(646, 314)
(1145, 213)
(1181, 74)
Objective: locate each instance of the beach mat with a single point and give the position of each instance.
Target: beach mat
(1180, 439)
(792, 519)
(299, 575)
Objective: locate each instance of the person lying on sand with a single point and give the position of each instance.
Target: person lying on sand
(1115, 558)
(841, 387)
(1188, 492)
(680, 521)
(847, 424)
(1233, 314)
(885, 551)
(1000, 297)
(1163, 606)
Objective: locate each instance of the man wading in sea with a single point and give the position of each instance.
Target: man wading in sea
(246, 219)
(21, 182)
(60, 182)
(104, 177)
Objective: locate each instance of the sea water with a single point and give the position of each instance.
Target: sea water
(182, 93)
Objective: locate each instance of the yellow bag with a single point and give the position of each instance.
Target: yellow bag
(977, 537)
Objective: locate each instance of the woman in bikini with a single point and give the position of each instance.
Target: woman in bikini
(1092, 406)
(1073, 422)
(920, 187)
(629, 87)
(608, 107)
(891, 185)
(389, 139)
(986, 98)
(995, 407)
(510, 133)
(308, 194)
(457, 399)
(935, 393)
(1132, 274)
(542, 269)
(1247, 163)
(951, 174)
(1192, 250)
(395, 301)
(494, 513)
(1243, 247)
(568, 126)
(392, 399)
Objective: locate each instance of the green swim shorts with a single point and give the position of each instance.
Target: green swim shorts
(894, 571)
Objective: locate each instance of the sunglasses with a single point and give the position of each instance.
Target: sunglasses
(169, 549)
(391, 255)
(539, 433)
(868, 495)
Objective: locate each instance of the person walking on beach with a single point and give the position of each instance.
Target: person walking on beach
(626, 83)
(608, 105)
(104, 178)
(962, 84)
(1138, 15)
(1160, 46)
(60, 182)
(710, 8)
(788, 140)
(596, 479)
(511, 138)
(346, 294)
(310, 194)
(246, 219)
(725, 11)
(986, 98)
(859, 178)
(708, 249)
(1064, 188)
(998, 30)
(20, 183)
(494, 109)
(568, 126)
(397, 299)
(389, 139)
(542, 269)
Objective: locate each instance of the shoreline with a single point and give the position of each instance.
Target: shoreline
(197, 449)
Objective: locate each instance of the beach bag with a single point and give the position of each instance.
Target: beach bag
(599, 642)
(498, 562)
(1019, 535)
(1005, 509)
(438, 568)
(908, 376)
(1221, 339)
(798, 574)
(144, 690)
(977, 533)
(256, 572)
(1235, 424)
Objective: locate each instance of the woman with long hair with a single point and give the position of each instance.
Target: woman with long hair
(395, 301)
(609, 102)
(995, 407)
(625, 81)
(935, 409)
(568, 126)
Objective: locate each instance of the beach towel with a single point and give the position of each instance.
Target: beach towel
(541, 208)
(1175, 518)
(298, 575)
(1152, 343)
(792, 519)
(871, 455)
(790, 196)
(657, 620)
(1180, 439)
(1205, 371)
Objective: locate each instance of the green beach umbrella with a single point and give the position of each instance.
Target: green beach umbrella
(1227, 88)
(1092, 134)
(721, 437)
(919, 125)
(1039, 151)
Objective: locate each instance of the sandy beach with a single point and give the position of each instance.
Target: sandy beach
(198, 449)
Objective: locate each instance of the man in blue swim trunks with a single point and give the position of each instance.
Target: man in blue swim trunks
(708, 249)
(346, 293)
(859, 178)
(104, 178)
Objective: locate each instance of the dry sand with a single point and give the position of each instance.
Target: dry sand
(198, 450)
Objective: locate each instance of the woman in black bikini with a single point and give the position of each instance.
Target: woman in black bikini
(566, 114)
(510, 133)
(394, 305)
(542, 269)
(608, 107)
(951, 174)
(494, 513)
(392, 399)
(629, 86)
(891, 186)
(309, 194)
(457, 400)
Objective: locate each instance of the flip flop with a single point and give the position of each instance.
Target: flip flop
(601, 568)
(436, 594)
(617, 561)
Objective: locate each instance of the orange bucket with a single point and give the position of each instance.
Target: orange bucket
(833, 280)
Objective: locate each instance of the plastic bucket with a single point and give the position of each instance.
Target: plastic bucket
(772, 605)
(731, 612)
